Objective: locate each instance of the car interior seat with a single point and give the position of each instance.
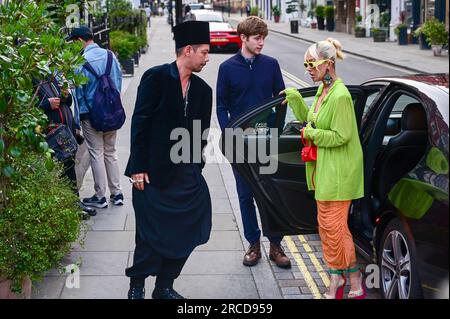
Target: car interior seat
(404, 150)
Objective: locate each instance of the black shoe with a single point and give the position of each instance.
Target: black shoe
(96, 202)
(166, 293)
(136, 292)
(89, 210)
(116, 199)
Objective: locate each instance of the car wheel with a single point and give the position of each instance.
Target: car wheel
(398, 266)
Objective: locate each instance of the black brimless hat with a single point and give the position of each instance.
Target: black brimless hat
(190, 33)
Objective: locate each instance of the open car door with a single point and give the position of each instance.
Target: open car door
(264, 146)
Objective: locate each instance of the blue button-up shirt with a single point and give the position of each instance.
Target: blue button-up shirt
(97, 57)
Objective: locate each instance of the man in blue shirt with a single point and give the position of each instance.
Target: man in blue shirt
(101, 145)
(244, 81)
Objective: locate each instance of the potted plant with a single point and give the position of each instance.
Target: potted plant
(360, 32)
(320, 14)
(435, 35)
(276, 13)
(378, 35)
(329, 14)
(418, 34)
(124, 49)
(401, 30)
(254, 11)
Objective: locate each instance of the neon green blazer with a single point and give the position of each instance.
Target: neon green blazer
(338, 171)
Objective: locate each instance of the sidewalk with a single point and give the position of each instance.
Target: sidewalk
(408, 57)
(214, 270)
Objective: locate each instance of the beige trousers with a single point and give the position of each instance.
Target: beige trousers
(104, 163)
(82, 163)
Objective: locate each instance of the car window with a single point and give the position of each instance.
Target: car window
(261, 123)
(393, 125)
(208, 17)
(370, 98)
(196, 6)
(292, 125)
(402, 102)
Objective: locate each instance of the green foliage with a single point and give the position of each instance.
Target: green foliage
(320, 11)
(254, 11)
(398, 27)
(124, 18)
(359, 18)
(40, 221)
(377, 31)
(31, 47)
(118, 5)
(37, 213)
(276, 11)
(329, 11)
(384, 19)
(124, 44)
(434, 32)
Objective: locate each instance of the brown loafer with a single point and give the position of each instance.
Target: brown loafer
(252, 255)
(278, 256)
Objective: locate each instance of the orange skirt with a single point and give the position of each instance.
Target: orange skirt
(337, 241)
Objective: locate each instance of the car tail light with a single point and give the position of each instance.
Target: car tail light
(377, 221)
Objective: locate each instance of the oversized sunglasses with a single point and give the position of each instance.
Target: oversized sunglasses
(313, 64)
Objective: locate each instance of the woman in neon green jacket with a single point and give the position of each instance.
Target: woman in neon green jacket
(337, 174)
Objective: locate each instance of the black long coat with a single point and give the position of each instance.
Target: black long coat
(160, 109)
(173, 212)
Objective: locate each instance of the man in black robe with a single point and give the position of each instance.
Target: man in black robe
(171, 200)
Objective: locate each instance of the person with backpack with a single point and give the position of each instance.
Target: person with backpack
(101, 115)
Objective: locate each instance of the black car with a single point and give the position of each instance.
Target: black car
(402, 221)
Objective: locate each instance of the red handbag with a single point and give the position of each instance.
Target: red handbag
(309, 152)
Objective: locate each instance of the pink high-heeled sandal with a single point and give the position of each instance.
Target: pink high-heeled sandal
(339, 294)
(361, 292)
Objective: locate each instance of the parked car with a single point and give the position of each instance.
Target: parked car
(402, 221)
(222, 34)
(197, 6)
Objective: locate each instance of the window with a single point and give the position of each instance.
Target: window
(292, 125)
(393, 125)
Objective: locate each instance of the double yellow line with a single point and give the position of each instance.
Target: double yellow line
(309, 280)
(312, 286)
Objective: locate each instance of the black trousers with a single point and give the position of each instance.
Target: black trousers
(169, 270)
(69, 172)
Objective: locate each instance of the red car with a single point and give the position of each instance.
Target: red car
(223, 35)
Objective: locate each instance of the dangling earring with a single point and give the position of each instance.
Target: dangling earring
(327, 79)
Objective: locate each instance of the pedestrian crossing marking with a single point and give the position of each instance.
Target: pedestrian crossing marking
(302, 267)
(315, 261)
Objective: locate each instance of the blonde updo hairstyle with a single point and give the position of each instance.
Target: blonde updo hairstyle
(329, 49)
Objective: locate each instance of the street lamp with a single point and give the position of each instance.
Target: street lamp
(229, 7)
